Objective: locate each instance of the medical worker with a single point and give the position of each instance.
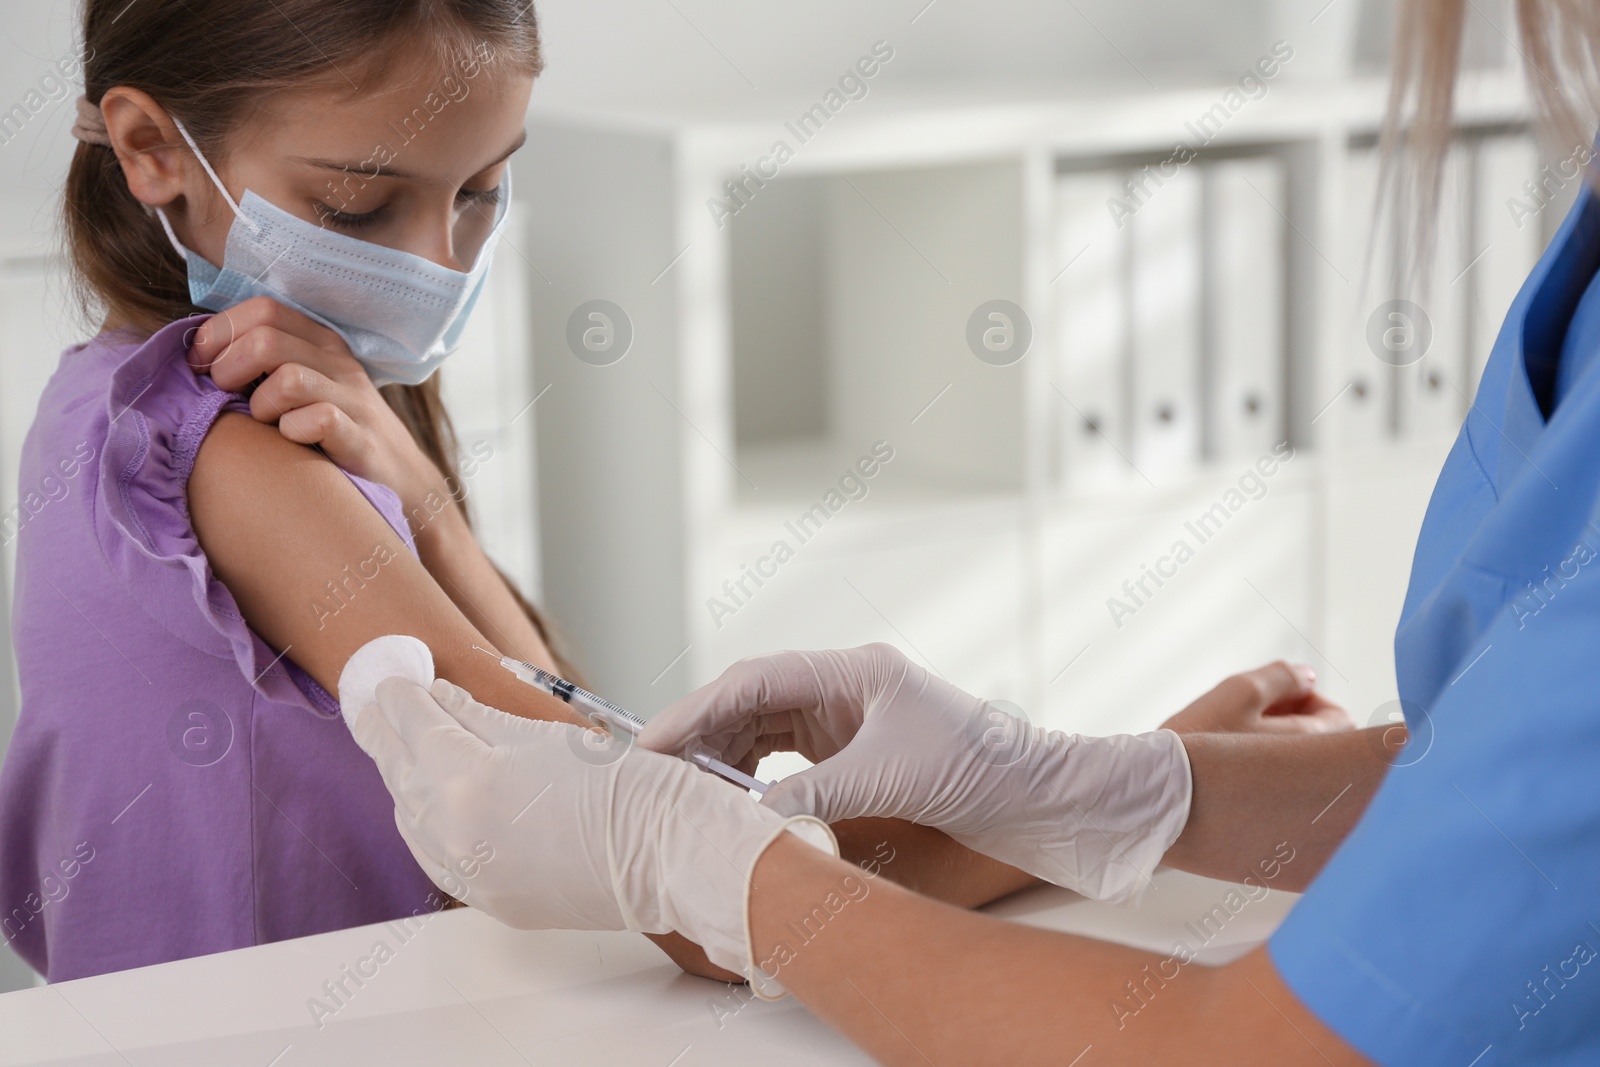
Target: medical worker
(1452, 915)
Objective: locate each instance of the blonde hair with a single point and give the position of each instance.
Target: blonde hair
(1559, 45)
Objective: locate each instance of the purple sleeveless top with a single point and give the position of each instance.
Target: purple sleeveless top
(174, 786)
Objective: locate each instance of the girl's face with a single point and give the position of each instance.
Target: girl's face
(414, 165)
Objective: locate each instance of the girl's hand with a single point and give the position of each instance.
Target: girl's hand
(315, 392)
(692, 959)
(1275, 699)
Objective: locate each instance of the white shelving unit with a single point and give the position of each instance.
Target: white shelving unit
(772, 349)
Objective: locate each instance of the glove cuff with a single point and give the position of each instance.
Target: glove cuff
(1173, 812)
(819, 835)
(1093, 814)
(1160, 759)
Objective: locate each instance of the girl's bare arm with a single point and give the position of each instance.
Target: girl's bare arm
(294, 541)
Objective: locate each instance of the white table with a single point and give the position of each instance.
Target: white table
(460, 988)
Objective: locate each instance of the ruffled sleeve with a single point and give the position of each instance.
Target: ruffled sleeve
(157, 412)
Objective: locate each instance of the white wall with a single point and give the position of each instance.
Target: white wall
(628, 51)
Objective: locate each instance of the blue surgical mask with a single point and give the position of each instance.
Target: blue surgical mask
(400, 314)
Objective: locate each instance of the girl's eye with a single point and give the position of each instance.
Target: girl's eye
(479, 197)
(344, 219)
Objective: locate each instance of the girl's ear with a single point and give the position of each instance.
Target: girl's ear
(147, 144)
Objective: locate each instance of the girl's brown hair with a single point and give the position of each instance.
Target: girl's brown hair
(209, 62)
(1559, 46)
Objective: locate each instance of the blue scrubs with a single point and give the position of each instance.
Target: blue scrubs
(1460, 922)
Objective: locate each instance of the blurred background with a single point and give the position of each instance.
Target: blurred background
(1050, 342)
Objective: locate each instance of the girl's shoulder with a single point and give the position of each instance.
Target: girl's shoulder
(122, 385)
(134, 413)
(148, 410)
(131, 414)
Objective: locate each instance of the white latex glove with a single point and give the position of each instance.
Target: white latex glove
(1094, 814)
(541, 827)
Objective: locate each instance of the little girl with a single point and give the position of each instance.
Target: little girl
(331, 176)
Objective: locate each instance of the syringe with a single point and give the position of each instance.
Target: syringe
(611, 718)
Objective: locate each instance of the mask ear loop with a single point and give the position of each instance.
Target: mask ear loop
(183, 253)
(211, 173)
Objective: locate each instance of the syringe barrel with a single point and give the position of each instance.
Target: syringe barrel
(612, 718)
(596, 709)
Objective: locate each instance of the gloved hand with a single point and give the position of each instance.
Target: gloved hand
(1094, 814)
(534, 823)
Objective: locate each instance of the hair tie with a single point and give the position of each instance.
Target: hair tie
(91, 125)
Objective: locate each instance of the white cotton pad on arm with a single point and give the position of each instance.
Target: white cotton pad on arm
(395, 655)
